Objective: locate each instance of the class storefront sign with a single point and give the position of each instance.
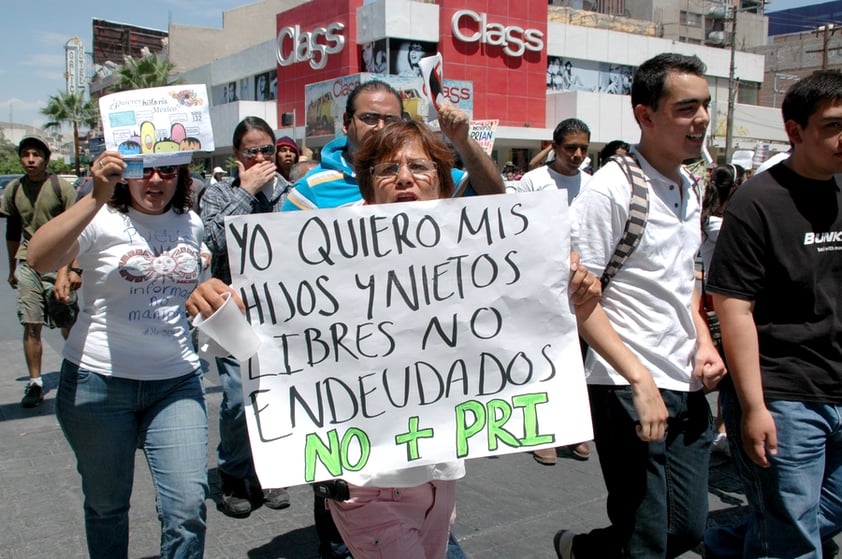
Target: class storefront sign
(514, 39)
(295, 45)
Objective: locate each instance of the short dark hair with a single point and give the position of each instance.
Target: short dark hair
(569, 126)
(382, 143)
(649, 78)
(369, 87)
(182, 200)
(251, 123)
(803, 98)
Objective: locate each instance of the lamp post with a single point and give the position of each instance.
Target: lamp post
(732, 83)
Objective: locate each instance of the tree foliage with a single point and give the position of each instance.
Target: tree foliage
(149, 71)
(9, 160)
(72, 109)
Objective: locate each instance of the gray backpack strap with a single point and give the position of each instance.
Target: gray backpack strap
(638, 215)
(56, 186)
(15, 184)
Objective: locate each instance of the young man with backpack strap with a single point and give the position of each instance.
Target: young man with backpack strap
(42, 299)
(651, 352)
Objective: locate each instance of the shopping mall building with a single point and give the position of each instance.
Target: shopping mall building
(522, 63)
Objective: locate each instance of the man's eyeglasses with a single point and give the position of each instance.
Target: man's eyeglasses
(419, 168)
(267, 151)
(166, 173)
(372, 119)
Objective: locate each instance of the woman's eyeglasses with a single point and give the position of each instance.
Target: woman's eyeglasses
(166, 173)
(267, 151)
(419, 168)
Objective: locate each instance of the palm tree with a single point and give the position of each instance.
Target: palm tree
(71, 108)
(148, 71)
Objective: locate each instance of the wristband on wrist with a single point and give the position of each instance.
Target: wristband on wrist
(77, 270)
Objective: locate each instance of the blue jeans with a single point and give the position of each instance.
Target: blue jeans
(454, 550)
(105, 420)
(796, 502)
(657, 492)
(233, 454)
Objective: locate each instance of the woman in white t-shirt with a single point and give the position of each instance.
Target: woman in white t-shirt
(130, 376)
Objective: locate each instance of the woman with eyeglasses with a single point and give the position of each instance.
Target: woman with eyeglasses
(405, 513)
(258, 188)
(130, 378)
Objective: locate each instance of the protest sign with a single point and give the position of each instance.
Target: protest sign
(483, 133)
(157, 126)
(400, 335)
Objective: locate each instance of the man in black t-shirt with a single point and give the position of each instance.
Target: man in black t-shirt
(776, 277)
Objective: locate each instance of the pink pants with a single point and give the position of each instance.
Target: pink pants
(389, 522)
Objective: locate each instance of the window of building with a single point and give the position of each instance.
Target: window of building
(748, 93)
(690, 19)
(691, 40)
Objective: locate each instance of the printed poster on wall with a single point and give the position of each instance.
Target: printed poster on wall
(374, 57)
(400, 335)
(568, 74)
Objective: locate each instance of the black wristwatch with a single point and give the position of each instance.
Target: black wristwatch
(77, 270)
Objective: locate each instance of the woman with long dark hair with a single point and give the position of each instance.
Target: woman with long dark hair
(723, 181)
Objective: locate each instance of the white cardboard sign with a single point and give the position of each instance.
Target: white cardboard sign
(401, 335)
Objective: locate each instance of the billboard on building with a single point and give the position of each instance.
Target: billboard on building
(325, 101)
(325, 104)
(405, 55)
(568, 74)
(258, 87)
(266, 86)
(571, 74)
(374, 57)
(615, 79)
(246, 92)
(114, 41)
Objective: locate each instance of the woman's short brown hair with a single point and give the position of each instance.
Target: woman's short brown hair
(182, 200)
(380, 144)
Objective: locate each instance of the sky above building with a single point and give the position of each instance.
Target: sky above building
(32, 39)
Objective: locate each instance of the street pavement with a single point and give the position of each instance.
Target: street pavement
(508, 507)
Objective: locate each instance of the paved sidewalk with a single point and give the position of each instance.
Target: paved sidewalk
(508, 507)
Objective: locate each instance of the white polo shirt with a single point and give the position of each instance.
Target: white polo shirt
(649, 300)
(545, 177)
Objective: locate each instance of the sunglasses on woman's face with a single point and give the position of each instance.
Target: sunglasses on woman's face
(166, 173)
(267, 151)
